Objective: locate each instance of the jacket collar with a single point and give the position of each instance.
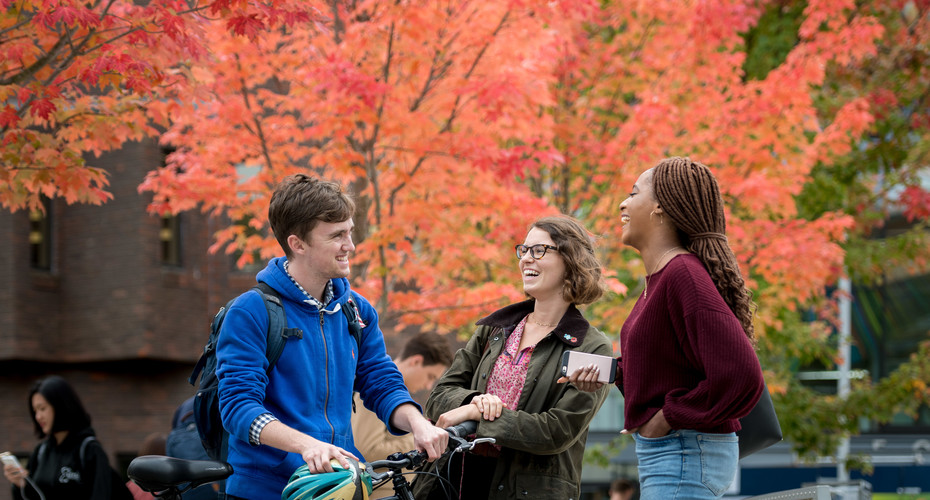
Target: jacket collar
(571, 329)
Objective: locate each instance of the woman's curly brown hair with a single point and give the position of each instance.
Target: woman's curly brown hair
(688, 193)
(584, 283)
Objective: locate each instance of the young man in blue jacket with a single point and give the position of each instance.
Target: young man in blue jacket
(301, 412)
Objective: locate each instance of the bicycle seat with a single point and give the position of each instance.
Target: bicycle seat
(158, 473)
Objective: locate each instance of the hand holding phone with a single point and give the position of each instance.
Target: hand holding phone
(573, 360)
(9, 459)
(12, 470)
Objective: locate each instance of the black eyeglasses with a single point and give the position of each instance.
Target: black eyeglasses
(537, 251)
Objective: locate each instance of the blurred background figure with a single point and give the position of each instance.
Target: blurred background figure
(423, 360)
(184, 442)
(69, 463)
(154, 444)
(622, 489)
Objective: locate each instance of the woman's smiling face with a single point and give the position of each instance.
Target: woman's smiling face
(636, 212)
(545, 276)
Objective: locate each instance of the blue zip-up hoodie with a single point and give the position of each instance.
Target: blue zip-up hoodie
(311, 386)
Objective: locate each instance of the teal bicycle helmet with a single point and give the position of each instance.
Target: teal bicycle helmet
(343, 484)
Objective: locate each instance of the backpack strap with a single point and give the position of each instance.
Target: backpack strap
(84, 444)
(278, 332)
(44, 446)
(354, 318)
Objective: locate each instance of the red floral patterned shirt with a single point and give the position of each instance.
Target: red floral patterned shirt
(509, 373)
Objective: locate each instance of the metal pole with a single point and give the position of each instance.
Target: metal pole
(842, 382)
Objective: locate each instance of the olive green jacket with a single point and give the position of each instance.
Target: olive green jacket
(542, 440)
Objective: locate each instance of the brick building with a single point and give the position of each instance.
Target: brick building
(116, 300)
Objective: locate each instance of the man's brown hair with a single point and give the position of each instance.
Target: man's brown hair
(300, 202)
(433, 347)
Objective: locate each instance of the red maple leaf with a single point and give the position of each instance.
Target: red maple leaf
(43, 107)
(9, 117)
(248, 26)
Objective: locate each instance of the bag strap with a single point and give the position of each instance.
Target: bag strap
(84, 444)
(354, 319)
(44, 446)
(278, 332)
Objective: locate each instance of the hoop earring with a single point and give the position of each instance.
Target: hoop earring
(661, 219)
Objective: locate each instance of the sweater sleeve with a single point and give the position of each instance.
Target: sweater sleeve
(733, 377)
(715, 343)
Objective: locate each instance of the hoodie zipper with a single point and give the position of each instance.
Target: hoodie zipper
(332, 428)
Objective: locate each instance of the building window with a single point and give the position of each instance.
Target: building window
(40, 236)
(170, 238)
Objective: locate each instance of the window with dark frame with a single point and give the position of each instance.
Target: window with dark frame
(170, 239)
(169, 233)
(40, 236)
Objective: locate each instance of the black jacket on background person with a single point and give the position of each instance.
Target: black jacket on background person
(56, 469)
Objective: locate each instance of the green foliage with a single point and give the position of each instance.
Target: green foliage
(769, 42)
(600, 454)
(868, 260)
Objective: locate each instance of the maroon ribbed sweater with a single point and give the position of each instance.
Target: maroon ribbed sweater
(684, 352)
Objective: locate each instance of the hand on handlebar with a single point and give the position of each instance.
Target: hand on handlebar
(430, 439)
(318, 455)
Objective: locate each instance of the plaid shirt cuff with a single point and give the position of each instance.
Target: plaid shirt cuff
(255, 430)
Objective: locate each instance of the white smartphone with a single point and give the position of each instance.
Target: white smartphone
(607, 365)
(10, 459)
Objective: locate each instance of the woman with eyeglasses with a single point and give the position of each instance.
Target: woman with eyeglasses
(505, 377)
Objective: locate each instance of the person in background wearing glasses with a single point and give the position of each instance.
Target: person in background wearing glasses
(505, 377)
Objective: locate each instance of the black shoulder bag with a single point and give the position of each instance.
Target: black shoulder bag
(760, 428)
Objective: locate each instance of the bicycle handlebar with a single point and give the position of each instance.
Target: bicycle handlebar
(415, 458)
(464, 429)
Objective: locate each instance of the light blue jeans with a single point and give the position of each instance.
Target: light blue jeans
(686, 464)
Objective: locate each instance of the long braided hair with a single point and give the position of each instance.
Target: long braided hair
(688, 193)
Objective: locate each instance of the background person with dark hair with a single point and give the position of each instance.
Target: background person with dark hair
(153, 444)
(423, 360)
(69, 464)
(622, 489)
(184, 442)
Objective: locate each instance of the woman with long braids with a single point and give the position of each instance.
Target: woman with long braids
(687, 369)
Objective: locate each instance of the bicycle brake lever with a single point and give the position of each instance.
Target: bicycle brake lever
(468, 445)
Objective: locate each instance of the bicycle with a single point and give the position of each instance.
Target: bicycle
(397, 462)
(168, 477)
